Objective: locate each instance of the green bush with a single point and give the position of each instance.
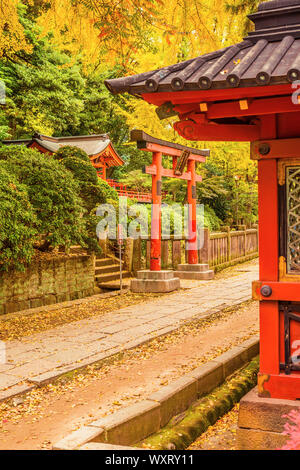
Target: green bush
(53, 193)
(9, 151)
(47, 203)
(82, 171)
(17, 222)
(71, 152)
(106, 192)
(211, 221)
(95, 194)
(92, 190)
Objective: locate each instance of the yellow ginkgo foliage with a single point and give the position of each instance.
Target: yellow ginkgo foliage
(12, 38)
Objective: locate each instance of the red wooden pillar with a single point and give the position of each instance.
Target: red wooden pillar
(268, 255)
(155, 256)
(192, 223)
(104, 172)
(268, 252)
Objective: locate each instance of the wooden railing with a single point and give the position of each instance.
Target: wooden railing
(140, 196)
(220, 249)
(228, 247)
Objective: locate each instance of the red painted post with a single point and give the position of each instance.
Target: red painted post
(104, 172)
(192, 223)
(155, 251)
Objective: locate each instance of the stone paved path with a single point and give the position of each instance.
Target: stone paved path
(42, 357)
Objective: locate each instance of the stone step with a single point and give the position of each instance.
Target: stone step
(109, 269)
(102, 278)
(115, 285)
(104, 262)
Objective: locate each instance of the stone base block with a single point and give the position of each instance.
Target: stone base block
(262, 421)
(155, 275)
(155, 282)
(196, 272)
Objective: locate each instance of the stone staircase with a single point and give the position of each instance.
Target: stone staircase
(107, 273)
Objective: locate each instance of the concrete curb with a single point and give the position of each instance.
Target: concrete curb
(136, 422)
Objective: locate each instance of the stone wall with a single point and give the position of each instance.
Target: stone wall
(47, 281)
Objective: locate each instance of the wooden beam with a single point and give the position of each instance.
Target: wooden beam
(279, 148)
(99, 165)
(195, 96)
(217, 132)
(168, 151)
(151, 170)
(258, 107)
(281, 291)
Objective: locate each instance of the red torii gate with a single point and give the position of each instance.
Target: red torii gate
(182, 157)
(248, 92)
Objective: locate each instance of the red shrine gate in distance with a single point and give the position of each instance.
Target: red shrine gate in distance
(157, 280)
(248, 92)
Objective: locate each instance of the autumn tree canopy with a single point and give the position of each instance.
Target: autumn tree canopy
(56, 54)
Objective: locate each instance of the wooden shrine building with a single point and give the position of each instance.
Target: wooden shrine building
(98, 147)
(250, 92)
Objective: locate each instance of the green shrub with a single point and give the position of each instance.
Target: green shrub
(9, 151)
(17, 222)
(106, 192)
(92, 190)
(95, 194)
(53, 193)
(73, 152)
(82, 171)
(211, 221)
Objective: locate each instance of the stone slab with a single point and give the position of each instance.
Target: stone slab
(106, 447)
(154, 286)
(16, 390)
(252, 347)
(193, 267)
(252, 439)
(31, 369)
(129, 425)
(266, 414)
(195, 276)
(7, 381)
(208, 377)
(48, 377)
(155, 275)
(78, 438)
(175, 398)
(232, 360)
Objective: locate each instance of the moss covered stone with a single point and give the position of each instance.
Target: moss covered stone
(205, 412)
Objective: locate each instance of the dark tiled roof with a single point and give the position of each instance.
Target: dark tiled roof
(91, 144)
(269, 55)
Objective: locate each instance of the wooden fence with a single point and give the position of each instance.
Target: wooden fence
(219, 250)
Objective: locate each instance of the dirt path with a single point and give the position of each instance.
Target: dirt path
(46, 415)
